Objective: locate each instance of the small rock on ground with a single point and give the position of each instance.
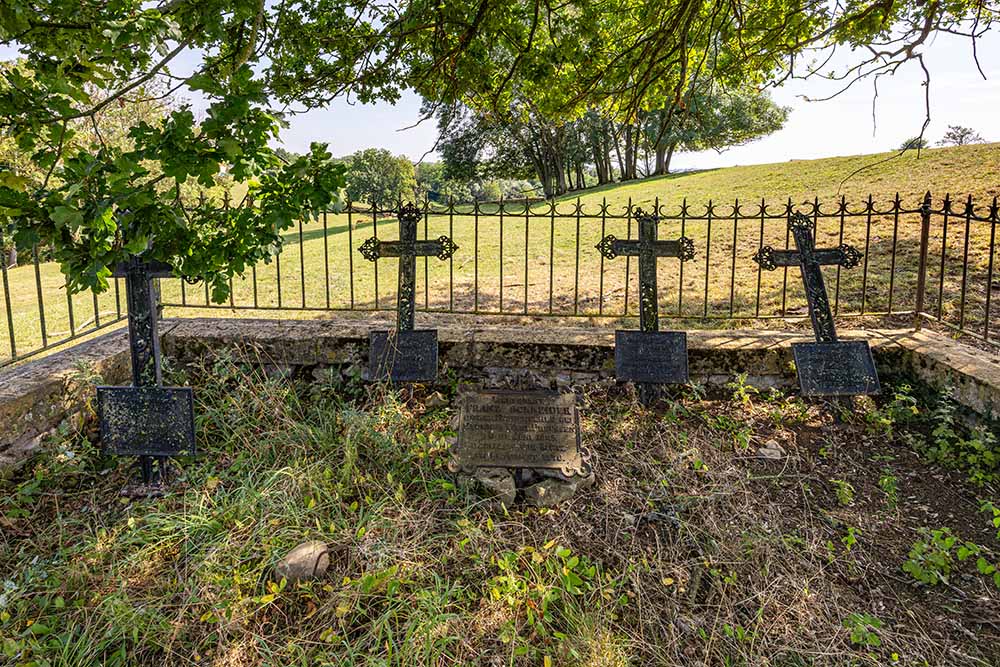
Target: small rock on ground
(309, 560)
(498, 483)
(771, 450)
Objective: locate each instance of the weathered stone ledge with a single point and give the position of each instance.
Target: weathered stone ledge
(34, 397)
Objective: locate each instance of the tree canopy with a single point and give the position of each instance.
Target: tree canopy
(254, 61)
(378, 177)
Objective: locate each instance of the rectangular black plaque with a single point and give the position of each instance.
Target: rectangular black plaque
(146, 421)
(655, 357)
(843, 368)
(519, 429)
(403, 356)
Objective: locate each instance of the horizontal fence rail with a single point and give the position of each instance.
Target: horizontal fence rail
(930, 261)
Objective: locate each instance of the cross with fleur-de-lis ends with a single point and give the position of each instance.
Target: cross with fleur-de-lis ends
(647, 249)
(407, 249)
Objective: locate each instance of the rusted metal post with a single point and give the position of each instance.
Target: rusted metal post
(925, 233)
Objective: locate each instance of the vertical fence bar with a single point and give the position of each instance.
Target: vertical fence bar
(526, 255)
(302, 265)
(965, 265)
(576, 277)
(868, 242)
(38, 290)
(501, 253)
(989, 270)
(69, 309)
(604, 220)
(944, 254)
(350, 251)
(708, 255)
(840, 240)
(118, 301)
(925, 233)
(892, 259)
(680, 272)
(6, 299)
(475, 256)
(277, 271)
(552, 246)
(732, 272)
(326, 260)
(628, 258)
(784, 277)
(375, 233)
(451, 260)
(427, 280)
(760, 244)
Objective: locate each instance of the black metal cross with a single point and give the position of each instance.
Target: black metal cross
(827, 367)
(810, 259)
(649, 357)
(410, 355)
(647, 249)
(407, 248)
(147, 419)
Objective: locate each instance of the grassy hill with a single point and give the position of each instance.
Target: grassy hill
(959, 170)
(316, 266)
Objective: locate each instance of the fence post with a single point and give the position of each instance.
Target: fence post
(925, 232)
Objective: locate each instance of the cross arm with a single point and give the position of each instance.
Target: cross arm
(844, 255)
(611, 247)
(441, 247)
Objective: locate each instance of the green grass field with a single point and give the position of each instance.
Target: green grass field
(563, 272)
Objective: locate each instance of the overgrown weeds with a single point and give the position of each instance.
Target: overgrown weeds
(691, 550)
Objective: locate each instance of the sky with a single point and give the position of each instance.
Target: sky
(840, 126)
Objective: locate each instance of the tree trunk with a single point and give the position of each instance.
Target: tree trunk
(669, 156)
(661, 160)
(11, 257)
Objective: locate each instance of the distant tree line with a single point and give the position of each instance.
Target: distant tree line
(595, 148)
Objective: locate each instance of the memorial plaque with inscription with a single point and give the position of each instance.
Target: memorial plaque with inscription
(655, 357)
(842, 368)
(146, 421)
(403, 356)
(519, 429)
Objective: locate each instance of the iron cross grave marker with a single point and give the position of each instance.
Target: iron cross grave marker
(146, 420)
(828, 367)
(649, 356)
(519, 429)
(406, 355)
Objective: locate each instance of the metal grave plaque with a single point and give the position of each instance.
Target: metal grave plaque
(519, 429)
(843, 368)
(146, 421)
(655, 357)
(403, 356)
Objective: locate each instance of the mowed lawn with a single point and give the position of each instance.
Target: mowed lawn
(549, 263)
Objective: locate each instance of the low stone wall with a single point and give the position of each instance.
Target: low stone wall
(37, 396)
(34, 397)
(553, 355)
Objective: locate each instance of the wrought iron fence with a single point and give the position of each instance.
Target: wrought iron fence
(929, 261)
